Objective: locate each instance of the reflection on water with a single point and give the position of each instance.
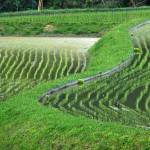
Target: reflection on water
(26, 61)
(122, 97)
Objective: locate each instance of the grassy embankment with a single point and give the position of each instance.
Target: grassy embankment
(25, 124)
(76, 23)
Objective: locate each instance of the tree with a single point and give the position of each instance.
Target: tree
(40, 5)
(148, 2)
(16, 3)
(20, 5)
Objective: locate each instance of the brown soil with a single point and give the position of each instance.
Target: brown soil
(49, 28)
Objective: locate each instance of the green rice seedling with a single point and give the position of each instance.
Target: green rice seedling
(32, 64)
(59, 65)
(25, 68)
(4, 58)
(132, 34)
(17, 69)
(137, 51)
(80, 81)
(63, 102)
(54, 100)
(141, 100)
(47, 99)
(65, 64)
(84, 62)
(78, 63)
(71, 63)
(75, 99)
(12, 68)
(8, 64)
(39, 65)
(53, 65)
(42, 65)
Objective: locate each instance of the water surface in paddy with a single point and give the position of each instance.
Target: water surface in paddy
(26, 61)
(120, 97)
(48, 43)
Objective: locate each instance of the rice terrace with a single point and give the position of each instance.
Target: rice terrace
(39, 60)
(75, 80)
(123, 91)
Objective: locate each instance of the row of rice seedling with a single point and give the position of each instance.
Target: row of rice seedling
(26, 65)
(141, 100)
(65, 64)
(60, 65)
(40, 62)
(5, 57)
(19, 64)
(86, 105)
(32, 65)
(71, 63)
(122, 97)
(84, 17)
(13, 66)
(10, 60)
(10, 87)
(147, 95)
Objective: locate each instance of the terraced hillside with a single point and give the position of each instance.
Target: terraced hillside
(27, 124)
(123, 96)
(24, 62)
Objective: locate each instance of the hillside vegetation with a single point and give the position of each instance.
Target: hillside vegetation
(26, 124)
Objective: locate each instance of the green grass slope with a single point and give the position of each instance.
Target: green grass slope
(75, 23)
(26, 124)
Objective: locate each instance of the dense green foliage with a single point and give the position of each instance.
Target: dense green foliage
(26, 124)
(20, 5)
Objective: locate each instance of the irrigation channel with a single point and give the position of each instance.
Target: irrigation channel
(27, 61)
(122, 96)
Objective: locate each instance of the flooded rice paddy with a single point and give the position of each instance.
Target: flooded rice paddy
(121, 97)
(26, 61)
